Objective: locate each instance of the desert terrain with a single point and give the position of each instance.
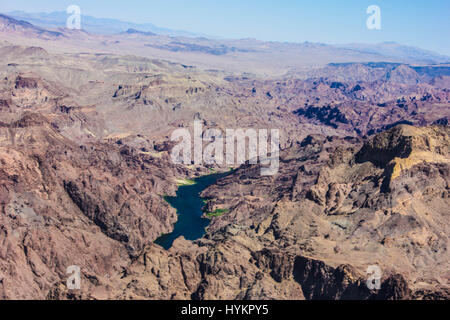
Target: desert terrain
(85, 166)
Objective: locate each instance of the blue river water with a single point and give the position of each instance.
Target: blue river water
(189, 207)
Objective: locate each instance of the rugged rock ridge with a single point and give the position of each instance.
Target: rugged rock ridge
(343, 216)
(404, 147)
(66, 204)
(293, 245)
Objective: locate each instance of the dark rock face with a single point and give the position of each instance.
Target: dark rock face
(97, 212)
(4, 104)
(394, 288)
(119, 217)
(279, 265)
(442, 122)
(320, 281)
(385, 147)
(327, 115)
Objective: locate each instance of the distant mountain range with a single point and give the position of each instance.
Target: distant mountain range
(239, 55)
(393, 49)
(93, 24)
(8, 23)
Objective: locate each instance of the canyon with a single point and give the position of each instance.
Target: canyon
(85, 168)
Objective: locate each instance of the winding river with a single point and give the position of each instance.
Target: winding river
(189, 207)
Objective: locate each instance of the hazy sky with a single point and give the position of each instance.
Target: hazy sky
(423, 23)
